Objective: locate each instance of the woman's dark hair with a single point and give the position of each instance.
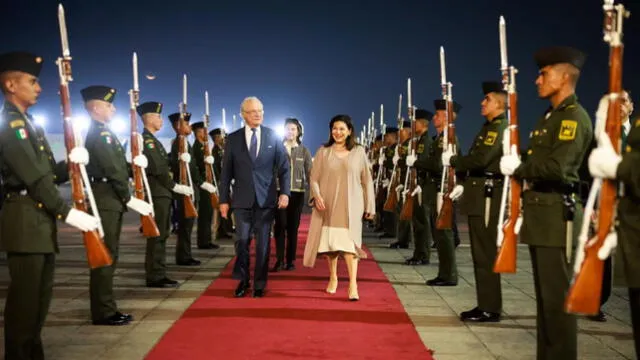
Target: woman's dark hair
(350, 142)
(298, 124)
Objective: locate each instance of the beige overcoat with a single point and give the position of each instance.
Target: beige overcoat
(361, 198)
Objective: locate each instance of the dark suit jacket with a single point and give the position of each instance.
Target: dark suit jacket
(254, 181)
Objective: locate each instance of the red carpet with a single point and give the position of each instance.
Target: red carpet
(296, 319)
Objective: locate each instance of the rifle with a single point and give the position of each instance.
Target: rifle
(508, 230)
(411, 177)
(190, 211)
(584, 293)
(392, 195)
(149, 226)
(97, 253)
(210, 178)
(448, 182)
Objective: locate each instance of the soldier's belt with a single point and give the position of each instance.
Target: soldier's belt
(556, 187)
(486, 175)
(98, 179)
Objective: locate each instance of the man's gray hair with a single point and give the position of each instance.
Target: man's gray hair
(246, 100)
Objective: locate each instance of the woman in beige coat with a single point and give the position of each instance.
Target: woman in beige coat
(341, 194)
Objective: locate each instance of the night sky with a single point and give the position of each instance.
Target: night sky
(312, 59)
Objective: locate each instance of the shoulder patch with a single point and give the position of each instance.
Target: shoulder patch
(105, 133)
(149, 141)
(17, 123)
(637, 123)
(151, 145)
(22, 134)
(568, 130)
(491, 137)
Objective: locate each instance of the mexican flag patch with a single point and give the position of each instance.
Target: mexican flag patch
(107, 139)
(22, 134)
(151, 146)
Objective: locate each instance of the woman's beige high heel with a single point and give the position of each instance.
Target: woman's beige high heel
(332, 286)
(353, 293)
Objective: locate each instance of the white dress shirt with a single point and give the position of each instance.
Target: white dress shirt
(627, 126)
(247, 136)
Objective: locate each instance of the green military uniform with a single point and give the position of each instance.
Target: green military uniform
(447, 268)
(629, 224)
(28, 231)
(109, 176)
(160, 186)
(389, 220)
(482, 187)
(403, 232)
(185, 226)
(220, 226)
(421, 219)
(556, 150)
(205, 210)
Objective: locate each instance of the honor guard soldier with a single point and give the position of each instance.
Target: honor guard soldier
(109, 176)
(481, 201)
(447, 268)
(605, 163)
(556, 150)
(221, 227)
(205, 210)
(162, 188)
(28, 231)
(389, 221)
(421, 220)
(403, 232)
(185, 226)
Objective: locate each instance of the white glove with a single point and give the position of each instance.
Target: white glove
(82, 221)
(396, 157)
(399, 188)
(516, 228)
(182, 189)
(208, 187)
(385, 183)
(79, 155)
(417, 191)
(186, 157)
(456, 192)
(209, 160)
(141, 161)
(446, 156)
(411, 159)
(509, 163)
(381, 159)
(608, 246)
(603, 160)
(140, 206)
(601, 117)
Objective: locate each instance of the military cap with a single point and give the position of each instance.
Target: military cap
(197, 125)
(441, 104)
(423, 114)
(378, 137)
(559, 54)
(214, 132)
(391, 130)
(492, 86)
(149, 107)
(98, 92)
(21, 61)
(176, 116)
(406, 124)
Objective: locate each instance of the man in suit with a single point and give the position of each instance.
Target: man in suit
(253, 157)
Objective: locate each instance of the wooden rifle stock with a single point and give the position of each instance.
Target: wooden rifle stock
(407, 207)
(507, 254)
(445, 217)
(585, 290)
(392, 195)
(190, 211)
(97, 253)
(149, 226)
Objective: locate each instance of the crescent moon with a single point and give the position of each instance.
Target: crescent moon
(150, 76)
